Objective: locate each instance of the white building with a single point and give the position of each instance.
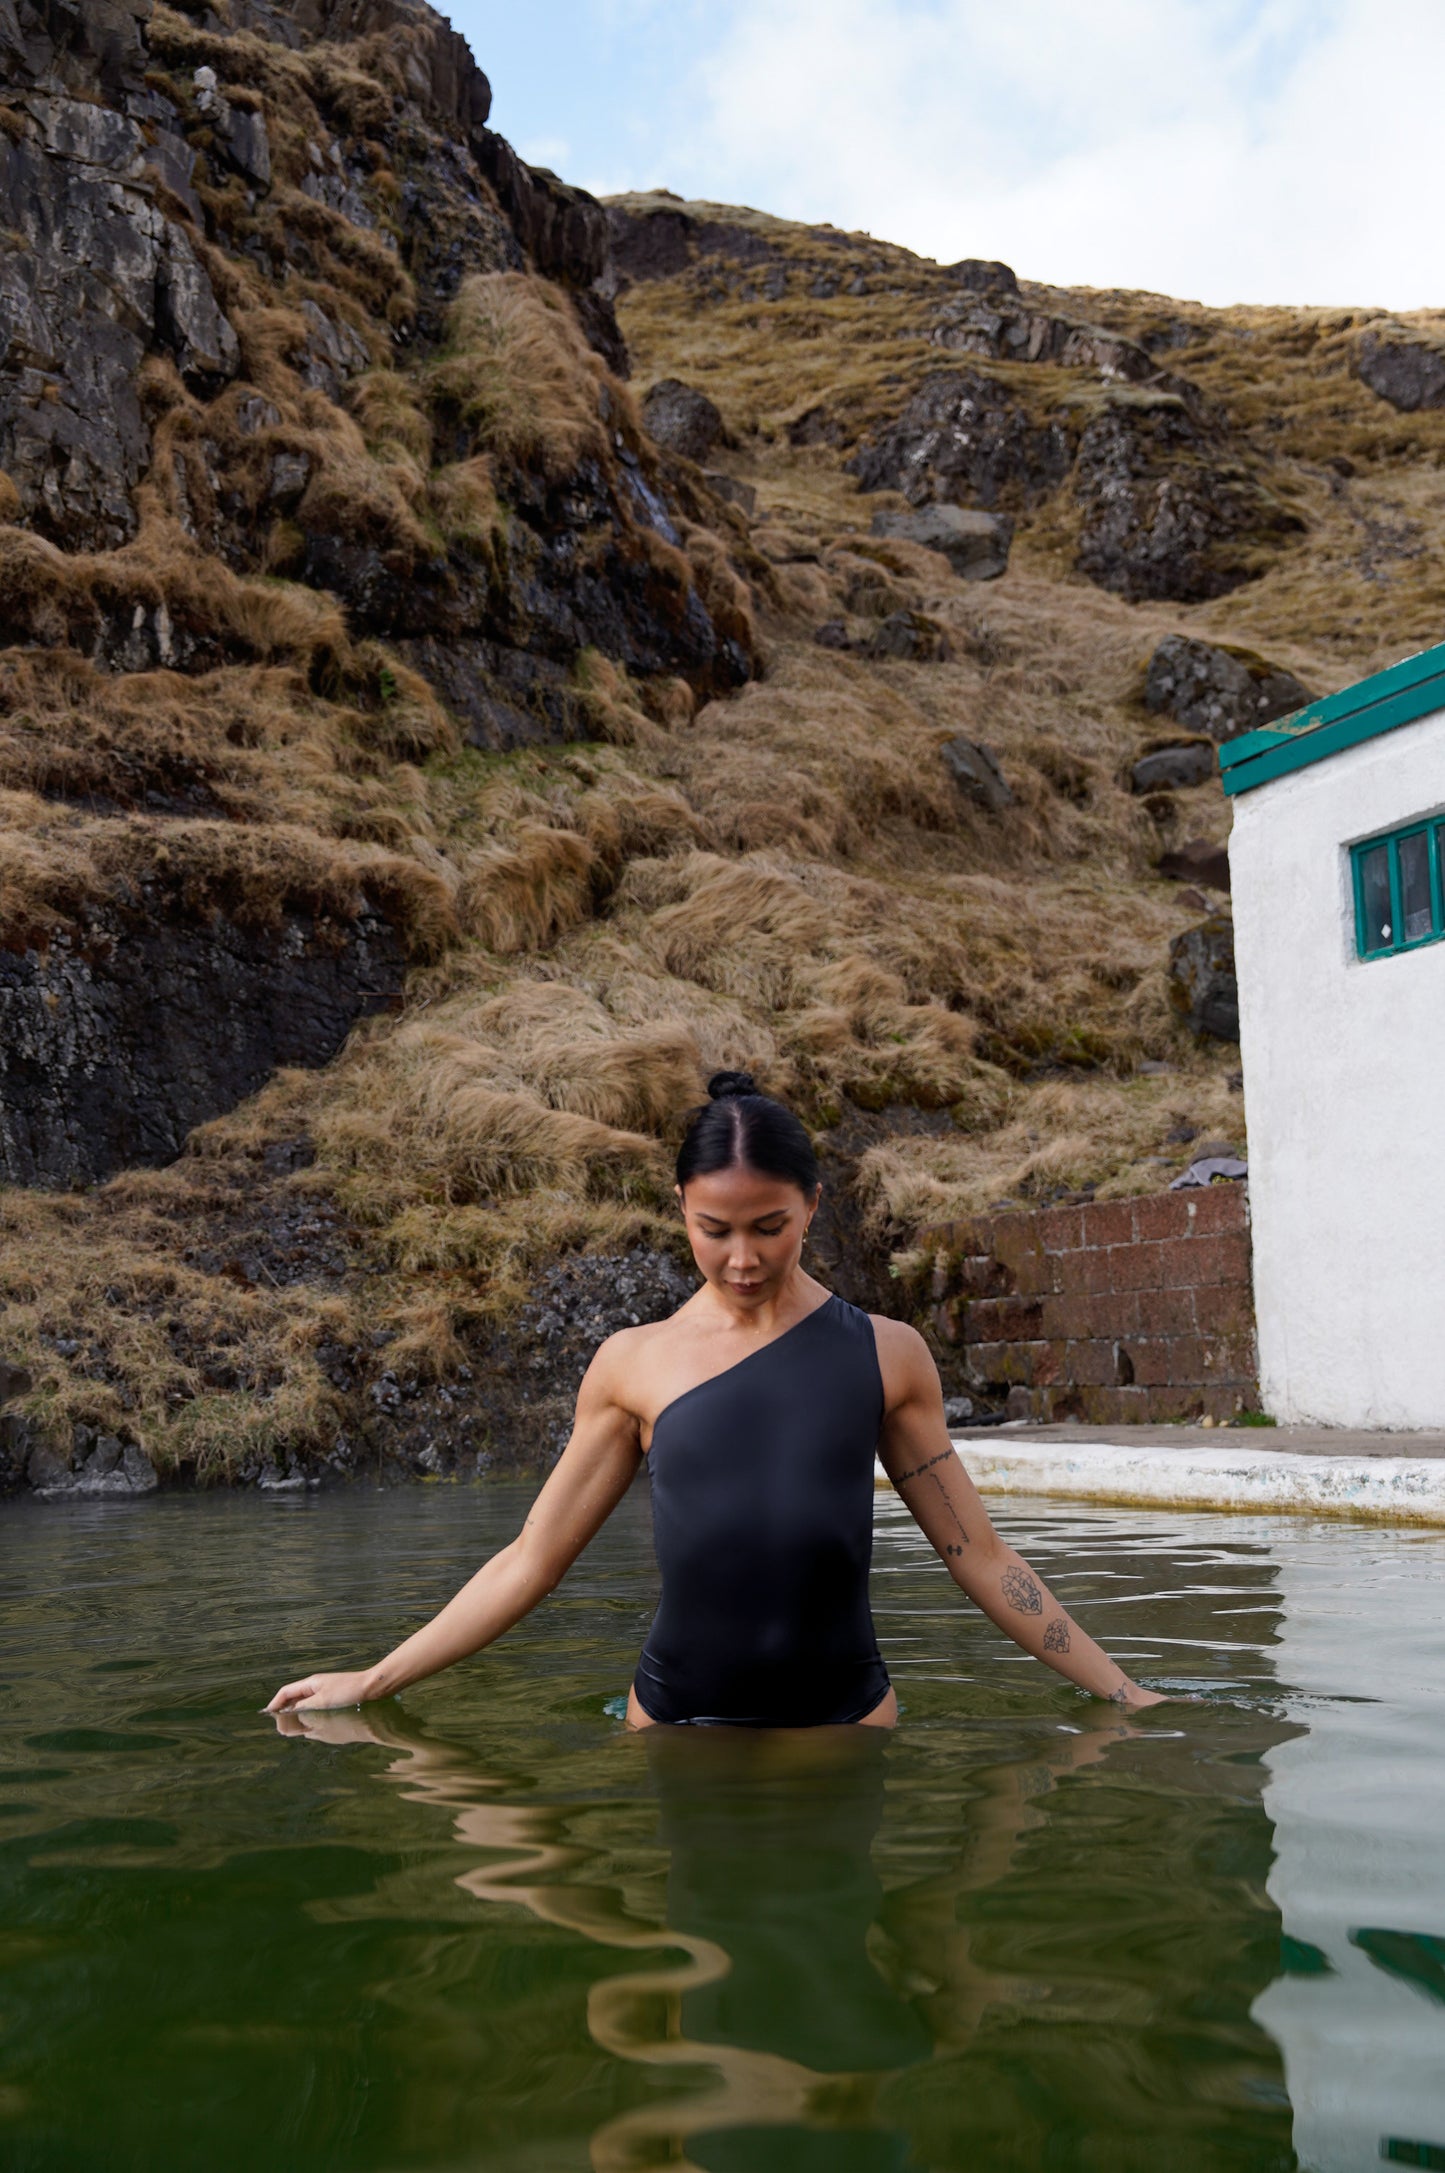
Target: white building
(1337, 860)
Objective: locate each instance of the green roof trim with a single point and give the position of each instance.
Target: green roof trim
(1398, 696)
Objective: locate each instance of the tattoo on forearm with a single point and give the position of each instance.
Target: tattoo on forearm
(919, 1469)
(1022, 1591)
(1056, 1636)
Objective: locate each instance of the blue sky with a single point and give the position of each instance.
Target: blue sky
(1220, 150)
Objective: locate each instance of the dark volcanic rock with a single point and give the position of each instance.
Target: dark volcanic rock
(976, 772)
(1405, 372)
(654, 246)
(98, 277)
(911, 636)
(682, 419)
(1202, 985)
(983, 275)
(1173, 769)
(566, 235)
(1004, 334)
(116, 1042)
(109, 1469)
(975, 544)
(1167, 511)
(963, 439)
(1209, 687)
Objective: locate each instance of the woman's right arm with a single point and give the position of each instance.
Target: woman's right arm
(590, 1477)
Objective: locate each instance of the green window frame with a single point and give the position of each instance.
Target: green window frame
(1398, 879)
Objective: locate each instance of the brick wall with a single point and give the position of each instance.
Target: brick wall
(1124, 1310)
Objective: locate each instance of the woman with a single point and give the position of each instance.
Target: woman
(759, 1407)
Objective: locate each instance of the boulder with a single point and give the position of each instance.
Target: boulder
(976, 772)
(1168, 511)
(983, 275)
(963, 439)
(975, 544)
(1197, 861)
(1405, 372)
(911, 636)
(1202, 986)
(832, 634)
(1214, 688)
(1174, 768)
(682, 419)
(816, 427)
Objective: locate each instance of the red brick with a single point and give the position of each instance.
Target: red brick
(1061, 1229)
(1094, 1271)
(1114, 1406)
(978, 1275)
(1201, 1260)
(1162, 1214)
(1091, 1364)
(1003, 1320)
(1166, 1312)
(1137, 1267)
(1018, 1248)
(1068, 1316)
(1109, 1222)
(1220, 1308)
(1030, 1364)
(1116, 1315)
(1216, 1208)
(1172, 1361)
(1230, 1358)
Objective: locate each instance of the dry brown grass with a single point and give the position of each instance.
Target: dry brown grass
(788, 880)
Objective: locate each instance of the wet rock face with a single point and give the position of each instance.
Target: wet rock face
(1408, 375)
(682, 419)
(963, 440)
(1219, 690)
(116, 1041)
(99, 278)
(1202, 985)
(1166, 513)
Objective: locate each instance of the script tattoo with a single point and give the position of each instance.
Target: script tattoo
(1056, 1636)
(920, 1471)
(1022, 1592)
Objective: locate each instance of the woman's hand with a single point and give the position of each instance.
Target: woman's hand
(322, 1693)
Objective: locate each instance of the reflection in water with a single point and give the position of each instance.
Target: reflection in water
(801, 1986)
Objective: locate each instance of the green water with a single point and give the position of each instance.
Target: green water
(486, 1928)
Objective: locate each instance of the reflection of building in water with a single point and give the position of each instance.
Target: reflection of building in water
(1359, 2011)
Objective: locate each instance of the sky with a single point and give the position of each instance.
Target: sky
(1216, 150)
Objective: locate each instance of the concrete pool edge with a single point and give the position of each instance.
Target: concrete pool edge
(1195, 1472)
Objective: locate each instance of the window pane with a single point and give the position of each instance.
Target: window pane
(1377, 933)
(1415, 886)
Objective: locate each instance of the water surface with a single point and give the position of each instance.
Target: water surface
(482, 1927)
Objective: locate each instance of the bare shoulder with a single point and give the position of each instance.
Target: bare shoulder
(621, 1363)
(904, 1359)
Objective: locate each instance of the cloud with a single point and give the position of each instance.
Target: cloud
(1228, 150)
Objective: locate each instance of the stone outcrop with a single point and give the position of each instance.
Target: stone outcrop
(975, 770)
(910, 636)
(975, 544)
(119, 1037)
(1202, 985)
(682, 419)
(1166, 510)
(1217, 689)
(1016, 334)
(983, 275)
(1197, 860)
(964, 440)
(1406, 372)
(1174, 767)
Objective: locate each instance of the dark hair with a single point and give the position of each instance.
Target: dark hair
(741, 1128)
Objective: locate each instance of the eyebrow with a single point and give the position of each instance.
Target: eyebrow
(772, 1215)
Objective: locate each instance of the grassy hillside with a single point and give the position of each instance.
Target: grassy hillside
(968, 1006)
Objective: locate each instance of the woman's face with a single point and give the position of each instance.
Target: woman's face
(746, 1231)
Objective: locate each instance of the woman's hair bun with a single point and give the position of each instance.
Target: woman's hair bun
(725, 1083)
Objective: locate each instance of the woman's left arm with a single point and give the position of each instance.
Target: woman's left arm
(920, 1459)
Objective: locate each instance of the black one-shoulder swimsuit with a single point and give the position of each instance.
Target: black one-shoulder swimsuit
(762, 1517)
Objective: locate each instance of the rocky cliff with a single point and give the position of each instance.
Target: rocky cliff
(425, 751)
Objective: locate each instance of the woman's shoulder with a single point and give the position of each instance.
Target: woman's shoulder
(620, 1362)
